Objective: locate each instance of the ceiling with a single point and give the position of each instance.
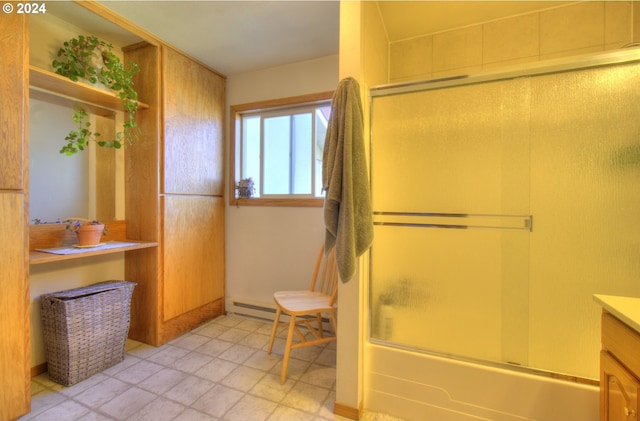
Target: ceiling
(240, 36)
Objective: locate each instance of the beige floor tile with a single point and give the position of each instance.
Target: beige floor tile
(189, 390)
(190, 341)
(214, 347)
(262, 361)
(327, 356)
(191, 362)
(243, 378)
(43, 401)
(250, 408)
(294, 371)
(162, 381)
(234, 335)
(101, 393)
(83, 385)
(320, 375)
(168, 355)
(193, 415)
(284, 413)
(217, 401)
(237, 354)
(94, 416)
(123, 406)
(306, 397)
(160, 409)
(229, 321)
(138, 372)
(212, 330)
(250, 325)
(67, 411)
(269, 387)
(216, 370)
(255, 340)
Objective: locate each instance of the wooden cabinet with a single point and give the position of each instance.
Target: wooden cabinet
(619, 371)
(173, 177)
(174, 194)
(14, 268)
(193, 99)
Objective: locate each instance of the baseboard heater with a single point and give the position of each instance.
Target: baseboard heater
(261, 311)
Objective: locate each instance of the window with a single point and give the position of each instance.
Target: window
(279, 145)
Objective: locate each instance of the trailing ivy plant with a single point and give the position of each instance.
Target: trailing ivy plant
(92, 59)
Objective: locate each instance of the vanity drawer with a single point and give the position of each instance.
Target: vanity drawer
(621, 341)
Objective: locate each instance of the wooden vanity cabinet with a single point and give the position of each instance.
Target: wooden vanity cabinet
(619, 371)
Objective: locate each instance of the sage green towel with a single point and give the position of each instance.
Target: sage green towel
(347, 205)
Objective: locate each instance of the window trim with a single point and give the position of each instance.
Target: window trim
(235, 112)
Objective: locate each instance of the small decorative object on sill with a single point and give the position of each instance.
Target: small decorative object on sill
(245, 188)
(88, 232)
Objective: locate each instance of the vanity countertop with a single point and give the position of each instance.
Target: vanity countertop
(626, 309)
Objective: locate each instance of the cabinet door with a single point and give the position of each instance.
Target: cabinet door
(14, 322)
(193, 252)
(193, 98)
(619, 391)
(13, 104)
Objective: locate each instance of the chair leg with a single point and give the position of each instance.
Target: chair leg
(320, 329)
(287, 349)
(274, 330)
(334, 322)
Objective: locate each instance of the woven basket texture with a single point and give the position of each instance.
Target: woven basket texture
(85, 329)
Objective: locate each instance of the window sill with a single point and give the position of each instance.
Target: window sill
(311, 203)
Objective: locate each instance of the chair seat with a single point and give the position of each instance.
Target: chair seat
(303, 302)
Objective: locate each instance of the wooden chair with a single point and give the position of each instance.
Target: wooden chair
(306, 307)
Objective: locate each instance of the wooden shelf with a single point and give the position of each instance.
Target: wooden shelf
(50, 86)
(39, 257)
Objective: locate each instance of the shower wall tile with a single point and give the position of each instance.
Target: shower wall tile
(460, 48)
(578, 52)
(412, 58)
(636, 21)
(511, 39)
(617, 25)
(572, 28)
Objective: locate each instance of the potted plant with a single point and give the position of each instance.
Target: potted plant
(91, 59)
(245, 188)
(88, 231)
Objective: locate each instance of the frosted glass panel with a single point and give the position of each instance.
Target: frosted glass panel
(467, 139)
(444, 289)
(503, 286)
(585, 198)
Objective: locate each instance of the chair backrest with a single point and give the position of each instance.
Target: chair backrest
(325, 275)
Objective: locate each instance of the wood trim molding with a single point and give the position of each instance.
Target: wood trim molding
(234, 122)
(317, 202)
(347, 411)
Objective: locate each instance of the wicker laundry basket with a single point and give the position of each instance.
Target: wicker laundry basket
(85, 329)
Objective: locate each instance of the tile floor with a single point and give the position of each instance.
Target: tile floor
(218, 372)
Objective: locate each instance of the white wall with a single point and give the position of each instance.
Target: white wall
(273, 248)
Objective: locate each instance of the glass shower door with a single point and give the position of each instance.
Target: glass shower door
(450, 189)
(458, 265)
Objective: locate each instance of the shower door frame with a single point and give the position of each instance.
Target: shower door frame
(535, 69)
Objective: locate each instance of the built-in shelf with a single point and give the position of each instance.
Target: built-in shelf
(39, 257)
(47, 85)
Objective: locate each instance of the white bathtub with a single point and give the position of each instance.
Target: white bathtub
(423, 387)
